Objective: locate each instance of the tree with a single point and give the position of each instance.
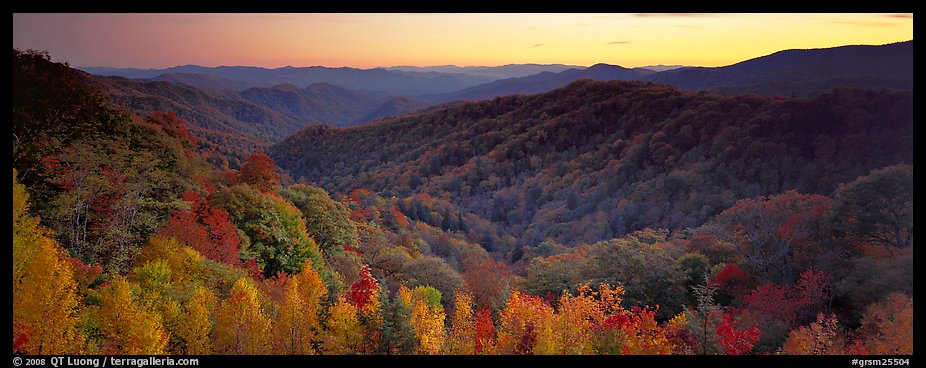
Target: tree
(427, 317)
(432, 272)
(327, 221)
(343, 334)
(128, 326)
(575, 322)
(734, 341)
(877, 208)
(887, 327)
(205, 228)
(484, 341)
(525, 326)
(44, 290)
(241, 326)
(195, 329)
(485, 278)
(463, 326)
(274, 229)
(259, 172)
(772, 233)
(397, 336)
(295, 326)
(823, 337)
(365, 291)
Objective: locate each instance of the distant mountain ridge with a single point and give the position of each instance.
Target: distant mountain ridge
(206, 81)
(379, 80)
(541, 82)
(780, 73)
(798, 73)
(497, 72)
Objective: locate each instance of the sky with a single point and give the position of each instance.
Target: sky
(382, 40)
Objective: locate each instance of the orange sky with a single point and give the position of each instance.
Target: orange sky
(370, 40)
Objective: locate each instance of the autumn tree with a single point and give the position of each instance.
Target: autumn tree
(327, 221)
(297, 327)
(274, 229)
(485, 278)
(44, 290)
(887, 327)
(259, 172)
(241, 326)
(365, 291)
(205, 228)
(343, 331)
(484, 339)
(293, 331)
(128, 326)
(733, 340)
(575, 320)
(773, 233)
(196, 327)
(525, 326)
(427, 317)
(461, 338)
(823, 337)
(877, 208)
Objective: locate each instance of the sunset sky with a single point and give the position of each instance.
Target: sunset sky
(371, 40)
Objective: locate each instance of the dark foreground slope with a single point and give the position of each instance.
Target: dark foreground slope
(595, 160)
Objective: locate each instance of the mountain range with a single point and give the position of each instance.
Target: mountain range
(233, 123)
(379, 80)
(250, 108)
(596, 160)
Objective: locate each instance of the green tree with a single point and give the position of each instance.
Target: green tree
(274, 229)
(877, 208)
(327, 221)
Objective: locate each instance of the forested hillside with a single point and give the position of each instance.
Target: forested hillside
(598, 160)
(231, 124)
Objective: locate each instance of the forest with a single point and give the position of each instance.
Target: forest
(600, 218)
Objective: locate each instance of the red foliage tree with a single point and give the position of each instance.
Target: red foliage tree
(485, 331)
(731, 279)
(734, 341)
(364, 290)
(776, 234)
(206, 229)
(791, 304)
(259, 172)
(485, 278)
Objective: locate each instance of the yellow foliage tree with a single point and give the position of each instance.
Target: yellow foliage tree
(344, 332)
(575, 320)
(888, 326)
(128, 327)
(183, 261)
(44, 291)
(295, 327)
(463, 326)
(298, 325)
(823, 337)
(427, 317)
(242, 328)
(526, 326)
(195, 329)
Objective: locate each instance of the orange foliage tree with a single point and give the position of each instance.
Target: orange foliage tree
(44, 289)
(241, 325)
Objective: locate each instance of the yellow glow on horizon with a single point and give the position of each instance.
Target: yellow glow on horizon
(372, 40)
